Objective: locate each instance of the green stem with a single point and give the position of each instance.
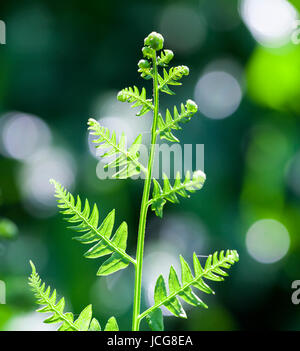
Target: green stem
(144, 207)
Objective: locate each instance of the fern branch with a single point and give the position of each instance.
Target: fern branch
(89, 223)
(171, 78)
(48, 300)
(125, 159)
(165, 127)
(211, 271)
(169, 193)
(132, 95)
(165, 57)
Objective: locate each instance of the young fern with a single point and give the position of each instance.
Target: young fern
(127, 164)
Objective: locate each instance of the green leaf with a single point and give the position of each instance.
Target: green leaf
(50, 305)
(187, 278)
(113, 264)
(171, 78)
(124, 160)
(8, 229)
(160, 295)
(169, 193)
(165, 126)
(155, 320)
(95, 325)
(87, 223)
(132, 95)
(160, 291)
(146, 72)
(165, 57)
(211, 271)
(84, 319)
(111, 325)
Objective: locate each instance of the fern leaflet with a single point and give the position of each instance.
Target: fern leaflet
(165, 57)
(211, 271)
(171, 78)
(48, 300)
(168, 193)
(88, 222)
(132, 95)
(125, 160)
(165, 127)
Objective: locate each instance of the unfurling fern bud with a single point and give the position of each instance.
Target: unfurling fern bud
(147, 52)
(171, 78)
(155, 41)
(145, 69)
(191, 106)
(184, 70)
(165, 57)
(144, 64)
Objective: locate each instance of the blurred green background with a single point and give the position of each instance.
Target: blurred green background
(64, 62)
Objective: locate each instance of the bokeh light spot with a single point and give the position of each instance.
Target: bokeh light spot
(270, 21)
(184, 29)
(273, 77)
(218, 94)
(22, 135)
(267, 241)
(34, 178)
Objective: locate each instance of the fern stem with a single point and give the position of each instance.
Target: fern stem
(144, 205)
(171, 296)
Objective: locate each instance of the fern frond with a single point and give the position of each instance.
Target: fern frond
(83, 220)
(48, 300)
(168, 193)
(126, 160)
(132, 95)
(165, 127)
(165, 57)
(146, 71)
(213, 270)
(171, 78)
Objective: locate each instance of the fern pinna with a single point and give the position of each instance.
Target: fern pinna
(105, 240)
(48, 299)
